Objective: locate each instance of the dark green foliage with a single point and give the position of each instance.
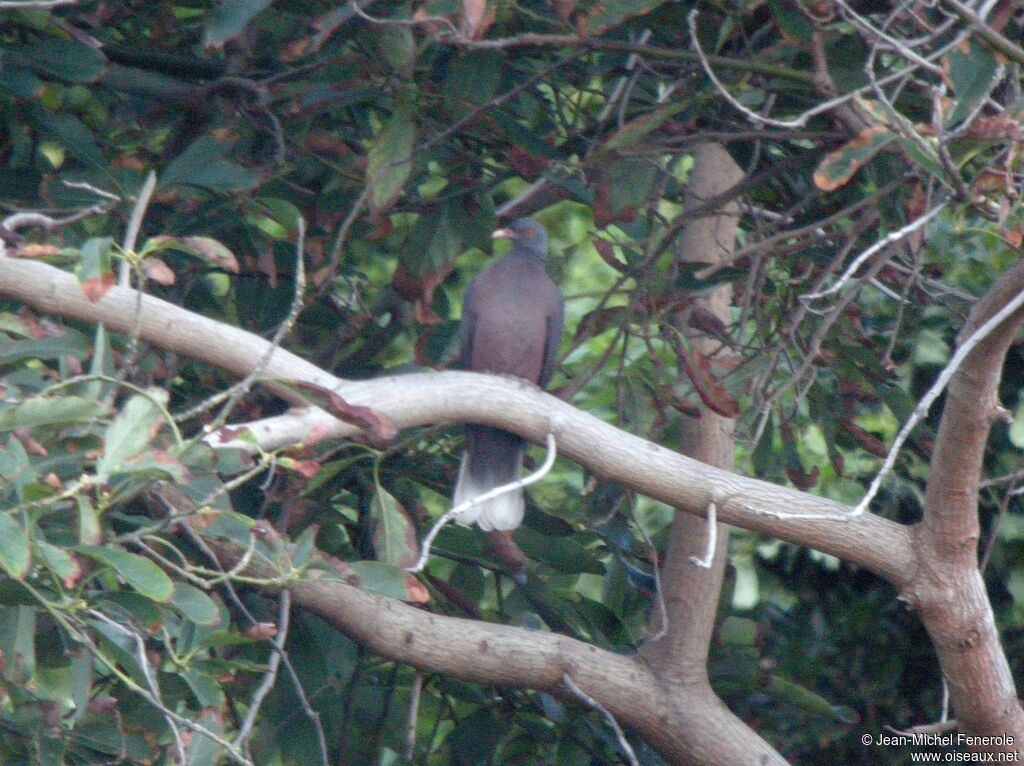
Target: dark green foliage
(398, 148)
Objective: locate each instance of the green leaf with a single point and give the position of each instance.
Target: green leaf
(205, 248)
(47, 411)
(394, 536)
(473, 79)
(72, 344)
(800, 697)
(281, 211)
(138, 572)
(562, 553)
(127, 606)
(435, 240)
(128, 434)
(71, 132)
(228, 525)
(606, 14)
(61, 562)
(304, 546)
(390, 163)
(89, 531)
(17, 643)
(21, 83)
(14, 547)
(397, 47)
(203, 164)
(95, 266)
(102, 364)
(67, 60)
(382, 579)
(636, 130)
(972, 67)
(840, 166)
(195, 605)
(229, 20)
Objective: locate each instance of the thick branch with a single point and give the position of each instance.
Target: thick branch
(486, 653)
(948, 589)
(453, 397)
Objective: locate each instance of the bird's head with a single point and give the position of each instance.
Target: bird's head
(527, 236)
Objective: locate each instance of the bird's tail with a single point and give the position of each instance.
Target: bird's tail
(492, 458)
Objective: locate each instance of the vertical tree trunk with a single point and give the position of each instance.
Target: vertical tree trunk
(691, 593)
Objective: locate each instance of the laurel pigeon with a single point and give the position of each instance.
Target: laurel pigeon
(512, 321)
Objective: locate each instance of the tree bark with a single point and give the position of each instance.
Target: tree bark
(691, 593)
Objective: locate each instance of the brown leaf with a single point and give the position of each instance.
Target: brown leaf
(526, 164)
(607, 252)
(158, 271)
(475, 19)
(420, 288)
(378, 426)
(564, 8)
(868, 441)
(711, 391)
(262, 630)
(417, 591)
(36, 250)
(97, 287)
(326, 143)
(306, 468)
(343, 569)
(703, 319)
(507, 551)
(839, 166)
(677, 402)
(32, 447)
(801, 480)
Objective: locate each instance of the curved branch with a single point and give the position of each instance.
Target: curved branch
(455, 397)
(948, 589)
(497, 655)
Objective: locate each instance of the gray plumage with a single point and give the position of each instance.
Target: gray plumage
(512, 320)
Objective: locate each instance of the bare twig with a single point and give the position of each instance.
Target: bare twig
(889, 239)
(413, 717)
(131, 234)
(232, 395)
(986, 32)
(582, 696)
(512, 486)
(270, 677)
(452, 29)
(708, 558)
(921, 410)
(24, 5)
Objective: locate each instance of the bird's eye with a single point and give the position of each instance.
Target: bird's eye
(530, 234)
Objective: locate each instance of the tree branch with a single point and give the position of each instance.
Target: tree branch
(456, 397)
(949, 591)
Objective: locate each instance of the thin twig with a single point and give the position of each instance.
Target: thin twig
(709, 553)
(270, 677)
(659, 591)
(512, 486)
(232, 395)
(921, 410)
(24, 5)
(405, 22)
(414, 714)
(582, 696)
(131, 234)
(883, 243)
